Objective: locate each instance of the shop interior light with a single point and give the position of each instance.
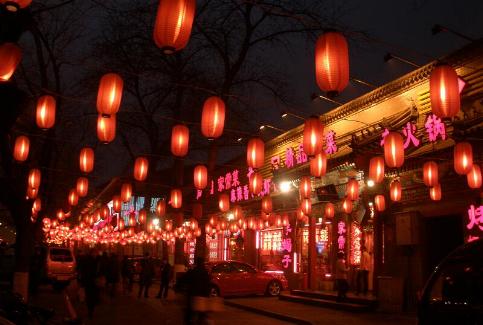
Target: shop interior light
(371, 204)
(370, 183)
(285, 186)
(262, 127)
(231, 216)
(155, 222)
(239, 139)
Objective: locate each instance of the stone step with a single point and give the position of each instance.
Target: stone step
(346, 306)
(360, 300)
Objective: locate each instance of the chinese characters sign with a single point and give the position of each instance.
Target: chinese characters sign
(287, 247)
(474, 224)
(356, 236)
(341, 231)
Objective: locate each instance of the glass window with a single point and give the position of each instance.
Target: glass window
(222, 268)
(240, 267)
(60, 255)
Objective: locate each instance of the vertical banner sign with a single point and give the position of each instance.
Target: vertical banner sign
(356, 236)
(474, 223)
(287, 246)
(341, 231)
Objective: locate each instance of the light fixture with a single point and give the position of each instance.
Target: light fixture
(390, 56)
(285, 186)
(370, 183)
(315, 96)
(231, 216)
(370, 204)
(285, 114)
(264, 126)
(239, 139)
(155, 222)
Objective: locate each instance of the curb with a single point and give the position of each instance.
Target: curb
(267, 313)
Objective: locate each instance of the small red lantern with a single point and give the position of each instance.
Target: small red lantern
(380, 202)
(105, 212)
(352, 191)
(435, 192)
(132, 220)
(332, 62)
(394, 149)
(180, 137)
(255, 153)
(34, 178)
(376, 169)
(176, 198)
(474, 177)
(142, 216)
(109, 94)
(237, 212)
(430, 173)
(60, 215)
(32, 193)
(463, 158)
(45, 114)
(14, 5)
(444, 91)
(10, 56)
(197, 212)
(126, 192)
(174, 20)
(21, 148)
(329, 210)
(86, 160)
(161, 208)
(82, 186)
(116, 204)
(312, 138)
(120, 224)
(305, 187)
(306, 206)
(256, 183)
(213, 118)
(267, 204)
(347, 205)
(200, 177)
(73, 198)
(141, 166)
(37, 205)
(318, 164)
(224, 202)
(395, 190)
(106, 128)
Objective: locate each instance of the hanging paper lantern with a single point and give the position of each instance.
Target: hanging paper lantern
(73, 198)
(395, 190)
(161, 208)
(213, 118)
(237, 212)
(224, 202)
(132, 220)
(105, 212)
(329, 210)
(21, 148)
(318, 164)
(168, 225)
(141, 166)
(267, 204)
(474, 177)
(435, 192)
(352, 191)
(45, 114)
(86, 160)
(176, 198)
(180, 137)
(347, 205)
(126, 192)
(34, 178)
(380, 202)
(109, 94)
(255, 153)
(60, 215)
(376, 169)
(82, 186)
(463, 158)
(312, 137)
(332, 62)
(197, 212)
(142, 216)
(106, 128)
(305, 187)
(306, 206)
(430, 173)
(116, 204)
(444, 91)
(32, 193)
(10, 55)
(174, 20)
(37, 205)
(256, 183)
(300, 214)
(120, 224)
(15, 5)
(200, 177)
(394, 149)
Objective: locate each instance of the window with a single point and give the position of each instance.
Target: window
(60, 255)
(240, 267)
(222, 268)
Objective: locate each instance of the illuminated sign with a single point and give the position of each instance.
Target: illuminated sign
(475, 223)
(341, 231)
(287, 247)
(356, 236)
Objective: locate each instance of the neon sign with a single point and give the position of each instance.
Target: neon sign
(356, 236)
(475, 222)
(287, 247)
(341, 231)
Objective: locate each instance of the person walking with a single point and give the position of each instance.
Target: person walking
(363, 272)
(127, 275)
(88, 278)
(166, 274)
(197, 282)
(341, 277)
(146, 276)
(112, 275)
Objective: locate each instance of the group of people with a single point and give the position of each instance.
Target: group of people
(341, 275)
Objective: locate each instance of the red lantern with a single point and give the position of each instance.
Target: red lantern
(21, 148)
(347, 205)
(14, 5)
(380, 202)
(474, 177)
(213, 117)
(86, 160)
(200, 177)
(116, 204)
(34, 178)
(463, 158)
(224, 202)
(332, 62)
(306, 206)
(173, 24)
(197, 212)
(352, 190)
(120, 224)
(10, 55)
(176, 198)
(161, 208)
(395, 190)
(180, 137)
(376, 169)
(267, 204)
(237, 212)
(32, 193)
(142, 216)
(256, 183)
(435, 192)
(132, 220)
(82, 186)
(105, 212)
(305, 187)
(141, 166)
(394, 149)
(73, 198)
(255, 153)
(444, 91)
(318, 165)
(312, 138)
(106, 128)
(37, 205)
(329, 210)
(109, 94)
(126, 192)
(60, 215)
(45, 115)
(430, 173)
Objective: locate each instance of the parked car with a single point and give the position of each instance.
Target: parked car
(232, 278)
(454, 291)
(60, 264)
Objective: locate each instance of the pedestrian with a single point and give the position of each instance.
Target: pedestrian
(102, 270)
(127, 275)
(166, 274)
(341, 277)
(363, 272)
(88, 278)
(146, 276)
(112, 275)
(197, 282)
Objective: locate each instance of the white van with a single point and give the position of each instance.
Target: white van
(60, 264)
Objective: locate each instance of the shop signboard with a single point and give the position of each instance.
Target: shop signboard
(474, 223)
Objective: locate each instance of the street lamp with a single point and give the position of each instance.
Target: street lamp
(285, 114)
(263, 126)
(315, 96)
(285, 186)
(390, 56)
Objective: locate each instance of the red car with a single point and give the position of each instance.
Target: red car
(232, 278)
